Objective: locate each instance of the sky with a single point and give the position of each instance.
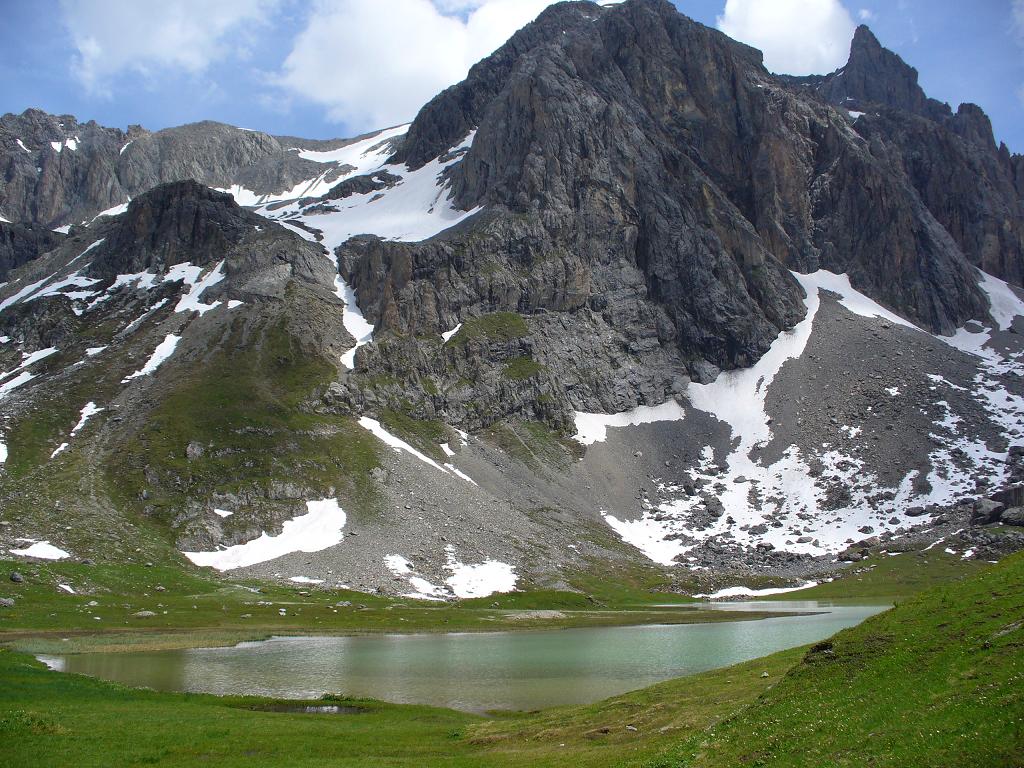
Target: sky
(336, 68)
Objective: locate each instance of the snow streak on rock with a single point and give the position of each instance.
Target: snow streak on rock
(399, 445)
(163, 351)
(415, 207)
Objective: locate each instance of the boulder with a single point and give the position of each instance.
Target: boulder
(1012, 516)
(986, 511)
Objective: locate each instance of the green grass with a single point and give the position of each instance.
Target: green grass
(937, 681)
(521, 368)
(246, 407)
(886, 578)
(498, 326)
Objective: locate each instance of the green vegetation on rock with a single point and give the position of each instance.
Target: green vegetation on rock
(520, 368)
(498, 326)
(244, 413)
(423, 434)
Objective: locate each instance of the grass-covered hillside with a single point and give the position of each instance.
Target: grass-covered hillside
(937, 681)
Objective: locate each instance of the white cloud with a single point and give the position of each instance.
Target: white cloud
(113, 36)
(798, 37)
(374, 63)
(866, 14)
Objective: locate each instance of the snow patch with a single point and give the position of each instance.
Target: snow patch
(163, 351)
(447, 335)
(480, 579)
(593, 427)
(222, 513)
(190, 301)
(41, 550)
(466, 580)
(647, 535)
(747, 592)
(319, 529)
(305, 580)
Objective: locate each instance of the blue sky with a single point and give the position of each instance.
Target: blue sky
(339, 67)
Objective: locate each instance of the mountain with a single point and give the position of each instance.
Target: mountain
(621, 300)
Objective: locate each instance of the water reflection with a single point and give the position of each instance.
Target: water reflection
(474, 672)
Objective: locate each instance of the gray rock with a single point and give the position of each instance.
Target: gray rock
(6, 602)
(1012, 516)
(986, 511)
(144, 614)
(16, 577)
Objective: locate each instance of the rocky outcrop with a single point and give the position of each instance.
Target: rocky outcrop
(21, 243)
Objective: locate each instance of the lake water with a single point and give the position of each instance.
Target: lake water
(474, 671)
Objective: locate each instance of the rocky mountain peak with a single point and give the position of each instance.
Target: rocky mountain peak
(876, 75)
(174, 223)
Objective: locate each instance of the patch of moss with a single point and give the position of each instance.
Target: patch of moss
(520, 368)
(498, 326)
(534, 444)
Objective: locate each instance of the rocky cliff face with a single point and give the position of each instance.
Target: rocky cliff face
(21, 243)
(644, 176)
(951, 159)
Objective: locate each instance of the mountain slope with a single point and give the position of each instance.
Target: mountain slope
(622, 299)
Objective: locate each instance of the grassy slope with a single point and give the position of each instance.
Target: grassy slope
(886, 578)
(246, 406)
(938, 681)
